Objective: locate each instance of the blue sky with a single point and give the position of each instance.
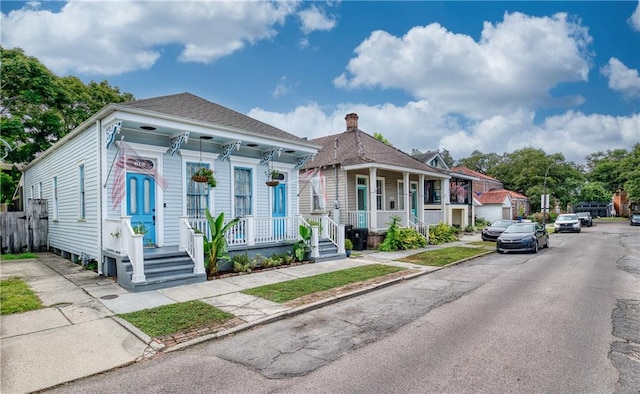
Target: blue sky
(486, 75)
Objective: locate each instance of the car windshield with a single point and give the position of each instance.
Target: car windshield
(501, 223)
(636, 215)
(520, 228)
(583, 214)
(567, 217)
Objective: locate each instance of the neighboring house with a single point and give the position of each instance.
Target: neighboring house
(483, 184)
(362, 182)
(519, 204)
(494, 205)
(459, 210)
(130, 165)
(621, 203)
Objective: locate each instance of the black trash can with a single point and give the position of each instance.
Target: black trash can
(360, 238)
(348, 231)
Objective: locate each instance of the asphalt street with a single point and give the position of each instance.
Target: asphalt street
(563, 320)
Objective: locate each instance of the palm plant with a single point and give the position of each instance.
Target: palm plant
(216, 246)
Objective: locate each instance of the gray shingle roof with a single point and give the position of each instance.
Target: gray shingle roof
(192, 107)
(357, 147)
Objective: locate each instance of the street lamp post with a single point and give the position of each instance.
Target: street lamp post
(545, 201)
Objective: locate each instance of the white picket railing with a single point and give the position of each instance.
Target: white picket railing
(192, 242)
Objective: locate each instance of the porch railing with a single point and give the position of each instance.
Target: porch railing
(383, 218)
(420, 226)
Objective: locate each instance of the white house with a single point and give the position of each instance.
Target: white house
(130, 165)
(494, 205)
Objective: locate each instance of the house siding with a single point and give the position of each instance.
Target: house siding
(173, 201)
(69, 232)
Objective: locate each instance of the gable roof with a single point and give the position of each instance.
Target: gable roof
(468, 171)
(355, 147)
(516, 195)
(191, 107)
(494, 197)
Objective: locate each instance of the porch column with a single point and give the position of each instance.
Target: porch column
(251, 230)
(420, 214)
(315, 241)
(407, 197)
(446, 202)
(373, 202)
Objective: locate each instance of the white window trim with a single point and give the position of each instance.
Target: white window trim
(81, 196)
(191, 156)
(55, 186)
(382, 195)
(245, 162)
(400, 192)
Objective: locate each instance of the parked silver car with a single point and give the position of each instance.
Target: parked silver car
(585, 218)
(493, 231)
(567, 222)
(523, 237)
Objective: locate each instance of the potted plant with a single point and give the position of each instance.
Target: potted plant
(301, 248)
(273, 177)
(348, 246)
(216, 247)
(204, 175)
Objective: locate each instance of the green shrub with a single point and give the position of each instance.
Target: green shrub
(398, 238)
(442, 233)
(242, 263)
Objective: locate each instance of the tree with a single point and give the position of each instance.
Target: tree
(38, 108)
(594, 191)
(446, 156)
(616, 169)
(381, 138)
(524, 171)
(480, 162)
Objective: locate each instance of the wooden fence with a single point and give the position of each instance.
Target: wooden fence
(25, 231)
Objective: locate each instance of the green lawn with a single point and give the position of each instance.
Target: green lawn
(444, 256)
(18, 256)
(16, 297)
(168, 319)
(290, 290)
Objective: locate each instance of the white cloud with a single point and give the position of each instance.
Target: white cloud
(421, 126)
(110, 38)
(514, 65)
(282, 87)
(634, 19)
(621, 78)
(314, 18)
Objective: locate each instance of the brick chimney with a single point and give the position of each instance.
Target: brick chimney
(352, 121)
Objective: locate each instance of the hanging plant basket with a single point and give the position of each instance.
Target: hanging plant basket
(273, 183)
(204, 175)
(200, 178)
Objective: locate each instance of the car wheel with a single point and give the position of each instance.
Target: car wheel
(535, 247)
(500, 251)
(546, 244)
(578, 230)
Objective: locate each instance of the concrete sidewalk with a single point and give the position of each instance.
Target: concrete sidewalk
(78, 334)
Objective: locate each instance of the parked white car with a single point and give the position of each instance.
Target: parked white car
(567, 222)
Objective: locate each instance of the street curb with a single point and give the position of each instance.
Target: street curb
(309, 307)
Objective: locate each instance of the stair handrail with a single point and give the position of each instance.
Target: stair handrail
(420, 226)
(134, 248)
(192, 242)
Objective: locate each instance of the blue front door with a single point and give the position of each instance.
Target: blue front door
(141, 205)
(279, 209)
(414, 201)
(362, 192)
